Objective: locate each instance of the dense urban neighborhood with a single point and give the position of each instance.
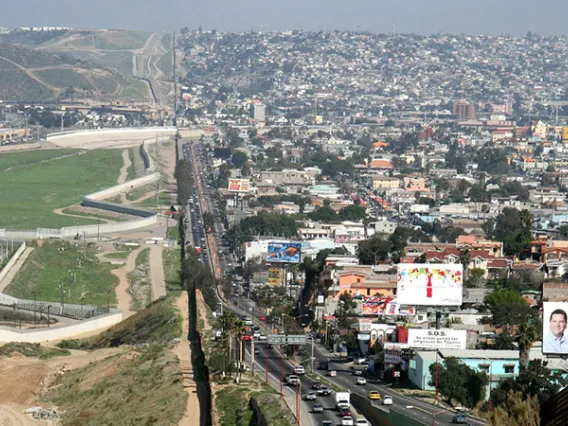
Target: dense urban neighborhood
(372, 228)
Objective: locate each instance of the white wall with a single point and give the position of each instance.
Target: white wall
(12, 261)
(117, 189)
(106, 138)
(57, 333)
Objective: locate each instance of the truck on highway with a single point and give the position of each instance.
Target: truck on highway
(342, 400)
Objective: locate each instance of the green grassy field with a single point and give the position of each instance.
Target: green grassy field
(47, 265)
(131, 172)
(33, 187)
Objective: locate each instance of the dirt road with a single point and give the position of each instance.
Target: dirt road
(183, 352)
(157, 278)
(122, 290)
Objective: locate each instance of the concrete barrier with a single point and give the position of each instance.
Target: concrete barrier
(117, 189)
(56, 333)
(149, 166)
(100, 138)
(12, 261)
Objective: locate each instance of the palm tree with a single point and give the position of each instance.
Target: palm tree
(230, 325)
(526, 336)
(465, 258)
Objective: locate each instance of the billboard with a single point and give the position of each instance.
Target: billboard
(284, 252)
(239, 185)
(374, 305)
(565, 134)
(554, 335)
(365, 325)
(437, 339)
(274, 277)
(430, 284)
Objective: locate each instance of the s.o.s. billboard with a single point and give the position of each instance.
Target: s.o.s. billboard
(437, 339)
(430, 284)
(284, 252)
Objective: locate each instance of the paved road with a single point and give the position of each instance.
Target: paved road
(412, 407)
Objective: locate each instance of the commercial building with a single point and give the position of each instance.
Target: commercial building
(463, 110)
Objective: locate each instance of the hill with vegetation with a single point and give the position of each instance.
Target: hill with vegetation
(31, 75)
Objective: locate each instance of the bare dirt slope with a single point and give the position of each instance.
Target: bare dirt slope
(183, 352)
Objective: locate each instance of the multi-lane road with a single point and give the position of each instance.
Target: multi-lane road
(203, 201)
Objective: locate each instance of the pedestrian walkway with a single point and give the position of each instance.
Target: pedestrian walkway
(15, 269)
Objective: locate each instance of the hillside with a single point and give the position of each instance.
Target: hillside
(136, 53)
(32, 75)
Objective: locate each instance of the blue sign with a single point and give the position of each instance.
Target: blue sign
(284, 252)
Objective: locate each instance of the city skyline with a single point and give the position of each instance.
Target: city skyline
(379, 16)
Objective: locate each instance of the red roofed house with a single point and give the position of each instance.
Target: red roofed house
(381, 163)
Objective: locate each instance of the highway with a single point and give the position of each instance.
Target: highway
(412, 407)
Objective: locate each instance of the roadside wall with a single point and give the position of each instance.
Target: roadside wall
(108, 228)
(12, 261)
(117, 189)
(149, 166)
(57, 333)
(106, 138)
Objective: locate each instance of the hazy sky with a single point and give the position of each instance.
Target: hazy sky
(420, 16)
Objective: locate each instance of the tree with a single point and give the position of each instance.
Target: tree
(208, 221)
(345, 310)
(246, 170)
(373, 249)
(353, 213)
(508, 309)
(514, 228)
(460, 383)
(517, 410)
(536, 380)
(323, 214)
(563, 230)
(239, 159)
(526, 336)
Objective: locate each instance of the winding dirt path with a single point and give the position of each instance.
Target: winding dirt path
(192, 413)
(157, 278)
(122, 290)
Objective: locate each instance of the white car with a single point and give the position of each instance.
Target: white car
(361, 422)
(299, 370)
(387, 400)
(262, 337)
(347, 421)
(361, 381)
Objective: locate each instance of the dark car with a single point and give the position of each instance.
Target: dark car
(316, 385)
(459, 419)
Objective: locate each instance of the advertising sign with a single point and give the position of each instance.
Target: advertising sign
(554, 334)
(239, 185)
(374, 305)
(274, 277)
(365, 324)
(565, 134)
(284, 252)
(364, 337)
(430, 284)
(393, 308)
(321, 299)
(437, 339)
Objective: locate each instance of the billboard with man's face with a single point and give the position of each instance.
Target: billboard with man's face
(554, 335)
